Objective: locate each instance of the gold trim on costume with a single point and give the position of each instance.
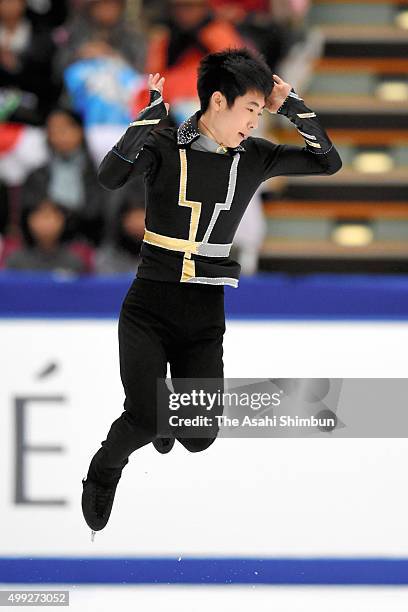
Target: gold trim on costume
(145, 122)
(313, 144)
(173, 244)
(187, 246)
(188, 270)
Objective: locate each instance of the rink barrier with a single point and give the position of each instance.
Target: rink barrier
(265, 296)
(270, 571)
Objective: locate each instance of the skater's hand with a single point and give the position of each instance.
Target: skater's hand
(156, 82)
(278, 95)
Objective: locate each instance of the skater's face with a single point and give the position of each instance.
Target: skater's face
(236, 123)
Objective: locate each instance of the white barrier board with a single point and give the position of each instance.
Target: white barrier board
(60, 389)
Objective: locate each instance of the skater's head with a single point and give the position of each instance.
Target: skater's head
(233, 86)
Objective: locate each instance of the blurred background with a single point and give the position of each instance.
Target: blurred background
(324, 293)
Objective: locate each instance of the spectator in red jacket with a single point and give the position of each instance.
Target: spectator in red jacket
(176, 48)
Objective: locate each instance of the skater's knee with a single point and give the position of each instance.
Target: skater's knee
(196, 445)
(146, 424)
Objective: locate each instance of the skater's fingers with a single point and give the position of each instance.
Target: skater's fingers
(156, 78)
(156, 82)
(153, 77)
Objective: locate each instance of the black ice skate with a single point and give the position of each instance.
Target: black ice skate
(163, 445)
(97, 502)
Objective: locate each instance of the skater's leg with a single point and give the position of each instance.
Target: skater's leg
(142, 361)
(201, 357)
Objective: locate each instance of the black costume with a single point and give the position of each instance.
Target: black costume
(195, 199)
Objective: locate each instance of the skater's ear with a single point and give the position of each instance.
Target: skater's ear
(218, 101)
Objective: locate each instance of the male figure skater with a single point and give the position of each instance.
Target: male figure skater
(199, 179)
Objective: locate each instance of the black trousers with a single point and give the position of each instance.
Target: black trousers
(160, 322)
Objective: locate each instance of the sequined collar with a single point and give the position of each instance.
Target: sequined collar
(188, 132)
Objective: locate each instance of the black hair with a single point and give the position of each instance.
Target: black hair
(233, 72)
(76, 118)
(68, 112)
(27, 211)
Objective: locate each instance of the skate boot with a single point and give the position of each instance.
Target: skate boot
(163, 445)
(97, 502)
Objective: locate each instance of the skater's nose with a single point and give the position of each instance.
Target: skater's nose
(253, 124)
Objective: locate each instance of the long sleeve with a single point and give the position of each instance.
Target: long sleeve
(135, 153)
(319, 156)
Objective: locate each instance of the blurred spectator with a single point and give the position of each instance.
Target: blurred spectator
(293, 11)
(278, 29)
(100, 30)
(22, 148)
(123, 254)
(258, 28)
(258, 6)
(102, 91)
(176, 49)
(306, 44)
(4, 208)
(44, 228)
(7, 242)
(51, 13)
(69, 177)
(153, 10)
(27, 91)
(101, 77)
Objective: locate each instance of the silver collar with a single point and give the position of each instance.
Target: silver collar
(188, 132)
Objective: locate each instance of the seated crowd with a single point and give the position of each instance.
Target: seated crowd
(73, 75)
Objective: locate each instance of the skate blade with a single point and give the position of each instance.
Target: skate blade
(93, 535)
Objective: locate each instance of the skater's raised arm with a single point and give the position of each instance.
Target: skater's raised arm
(319, 156)
(135, 153)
